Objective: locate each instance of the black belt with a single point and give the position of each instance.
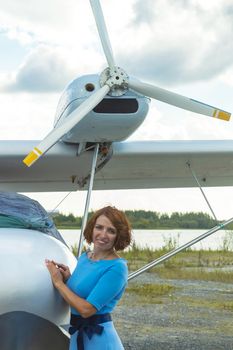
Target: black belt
(90, 325)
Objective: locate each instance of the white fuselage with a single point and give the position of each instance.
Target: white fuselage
(26, 284)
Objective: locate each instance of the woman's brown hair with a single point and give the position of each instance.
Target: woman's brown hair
(119, 221)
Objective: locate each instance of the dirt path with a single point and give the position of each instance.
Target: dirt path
(197, 315)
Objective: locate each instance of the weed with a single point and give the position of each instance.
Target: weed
(148, 293)
(195, 274)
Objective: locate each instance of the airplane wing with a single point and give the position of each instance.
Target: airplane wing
(133, 165)
(163, 164)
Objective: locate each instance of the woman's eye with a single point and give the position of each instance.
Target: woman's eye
(112, 231)
(109, 230)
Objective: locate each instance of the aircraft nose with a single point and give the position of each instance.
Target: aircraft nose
(27, 285)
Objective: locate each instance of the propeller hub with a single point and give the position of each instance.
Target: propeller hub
(117, 79)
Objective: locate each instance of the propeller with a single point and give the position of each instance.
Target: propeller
(177, 100)
(115, 81)
(74, 118)
(103, 33)
(148, 89)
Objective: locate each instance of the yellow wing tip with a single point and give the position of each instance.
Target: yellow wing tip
(31, 158)
(222, 115)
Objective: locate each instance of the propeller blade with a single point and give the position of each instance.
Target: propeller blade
(178, 100)
(74, 118)
(103, 33)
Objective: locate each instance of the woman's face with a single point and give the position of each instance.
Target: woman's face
(104, 233)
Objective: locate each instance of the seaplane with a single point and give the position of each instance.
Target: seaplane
(87, 150)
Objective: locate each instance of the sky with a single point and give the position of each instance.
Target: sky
(184, 46)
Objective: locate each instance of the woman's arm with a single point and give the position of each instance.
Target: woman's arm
(81, 305)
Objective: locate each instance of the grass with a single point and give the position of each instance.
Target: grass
(154, 289)
(214, 307)
(195, 274)
(189, 264)
(214, 304)
(147, 293)
(188, 258)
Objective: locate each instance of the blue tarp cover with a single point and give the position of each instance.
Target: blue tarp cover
(19, 211)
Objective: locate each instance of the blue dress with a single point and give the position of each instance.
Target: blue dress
(102, 284)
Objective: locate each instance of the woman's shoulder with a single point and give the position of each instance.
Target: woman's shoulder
(119, 265)
(82, 259)
(120, 261)
(82, 256)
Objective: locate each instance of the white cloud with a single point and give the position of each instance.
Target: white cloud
(23, 37)
(26, 116)
(227, 77)
(147, 39)
(194, 44)
(47, 68)
(44, 69)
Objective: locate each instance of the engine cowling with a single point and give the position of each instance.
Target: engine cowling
(113, 119)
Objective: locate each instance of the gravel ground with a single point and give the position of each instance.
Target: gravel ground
(186, 319)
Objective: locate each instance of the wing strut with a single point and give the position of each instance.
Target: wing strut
(90, 187)
(175, 251)
(203, 193)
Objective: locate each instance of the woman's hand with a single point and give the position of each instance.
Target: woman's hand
(64, 269)
(55, 273)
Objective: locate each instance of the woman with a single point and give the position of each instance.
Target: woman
(97, 283)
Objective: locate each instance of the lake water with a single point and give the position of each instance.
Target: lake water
(159, 238)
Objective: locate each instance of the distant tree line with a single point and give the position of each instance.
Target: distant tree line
(141, 219)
